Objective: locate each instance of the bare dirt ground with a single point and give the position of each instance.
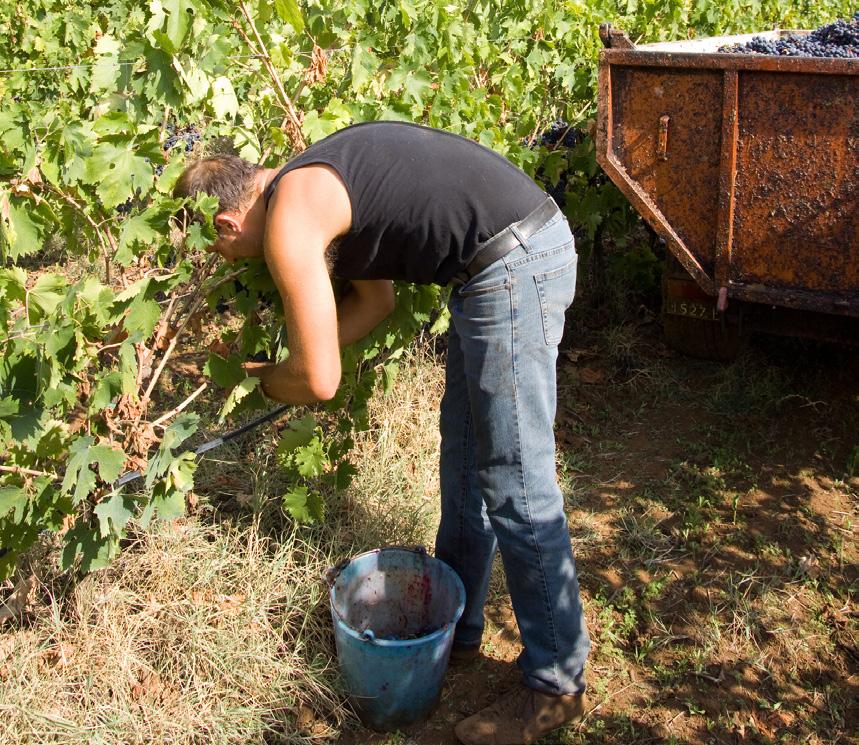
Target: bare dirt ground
(713, 511)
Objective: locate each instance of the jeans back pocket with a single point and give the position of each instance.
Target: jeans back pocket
(556, 289)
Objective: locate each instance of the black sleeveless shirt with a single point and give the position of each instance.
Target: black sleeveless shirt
(422, 199)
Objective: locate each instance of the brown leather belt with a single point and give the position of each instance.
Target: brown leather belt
(503, 243)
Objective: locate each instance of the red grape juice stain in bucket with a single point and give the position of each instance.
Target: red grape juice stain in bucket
(402, 621)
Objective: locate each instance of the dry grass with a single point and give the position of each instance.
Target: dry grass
(196, 633)
(215, 628)
(395, 495)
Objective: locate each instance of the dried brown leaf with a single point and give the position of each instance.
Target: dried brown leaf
(317, 70)
(592, 376)
(219, 347)
(58, 656)
(20, 600)
(68, 524)
(33, 175)
(229, 604)
(150, 688)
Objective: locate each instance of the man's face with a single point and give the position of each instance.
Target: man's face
(240, 234)
(235, 247)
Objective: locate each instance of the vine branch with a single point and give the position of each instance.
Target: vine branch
(105, 237)
(194, 303)
(294, 123)
(170, 414)
(26, 471)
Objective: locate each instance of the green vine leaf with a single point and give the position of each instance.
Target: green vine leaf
(87, 545)
(304, 505)
(310, 460)
(114, 514)
(45, 295)
(26, 225)
(224, 101)
(182, 427)
(239, 392)
(79, 478)
(12, 499)
(138, 232)
(224, 371)
(289, 11)
(296, 434)
(118, 170)
(170, 23)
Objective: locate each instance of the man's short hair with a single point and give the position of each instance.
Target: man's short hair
(227, 177)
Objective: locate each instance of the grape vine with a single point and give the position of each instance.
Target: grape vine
(103, 105)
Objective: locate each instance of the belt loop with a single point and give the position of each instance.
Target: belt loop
(514, 228)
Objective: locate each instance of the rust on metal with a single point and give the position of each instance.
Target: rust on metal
(637, 57)
(797, 224)
(614, 38)
(727, 185)
(756, 190)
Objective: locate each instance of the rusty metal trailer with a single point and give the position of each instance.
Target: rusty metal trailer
(748, 167)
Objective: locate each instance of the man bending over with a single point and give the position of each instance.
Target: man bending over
(387, 201)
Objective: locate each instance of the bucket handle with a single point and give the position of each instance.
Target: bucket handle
(330, 575)
(416, 549)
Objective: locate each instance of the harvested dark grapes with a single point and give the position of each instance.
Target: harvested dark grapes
(839, 39)
(559, 135)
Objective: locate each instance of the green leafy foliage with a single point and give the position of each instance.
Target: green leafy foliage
(89, 93)
(302, 453)
(304, 505)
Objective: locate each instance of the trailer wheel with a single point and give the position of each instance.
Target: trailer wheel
(695, 336)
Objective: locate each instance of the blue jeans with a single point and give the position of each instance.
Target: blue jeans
(498, 480)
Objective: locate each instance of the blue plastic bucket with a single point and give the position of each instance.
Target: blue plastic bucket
(394, 612)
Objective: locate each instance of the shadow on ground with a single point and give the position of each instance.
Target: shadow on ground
(712, 508)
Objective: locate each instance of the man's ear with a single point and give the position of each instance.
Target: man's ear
(227, 224)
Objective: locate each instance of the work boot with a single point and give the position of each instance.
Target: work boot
(519, 718)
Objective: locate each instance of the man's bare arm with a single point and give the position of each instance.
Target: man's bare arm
(310, 208)
(363, 307)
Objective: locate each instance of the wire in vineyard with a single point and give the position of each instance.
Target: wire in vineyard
(126, 63)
